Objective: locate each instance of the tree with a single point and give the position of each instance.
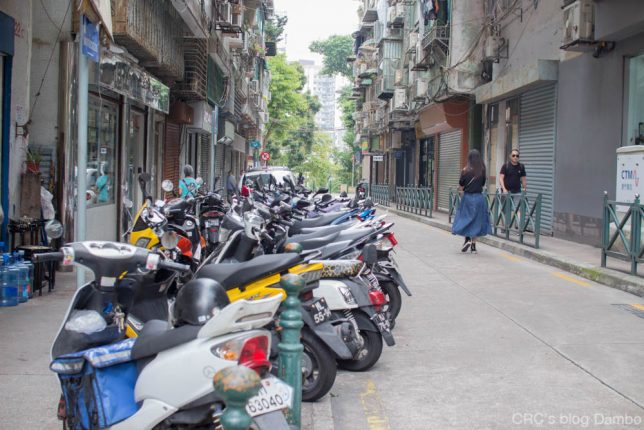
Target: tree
(291, 128)
(275, 28)
(318, 166)
(335, 50)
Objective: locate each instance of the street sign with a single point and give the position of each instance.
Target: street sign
(265, 156)
(378, 158)
(255, 144)
(89, 40)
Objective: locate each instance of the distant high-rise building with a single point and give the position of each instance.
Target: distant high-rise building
(322, 86)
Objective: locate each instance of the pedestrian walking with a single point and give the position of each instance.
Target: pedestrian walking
(231, 186)
(188, 184)
(472, 218)
(512, 175)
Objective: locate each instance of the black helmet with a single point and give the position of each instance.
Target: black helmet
(198, 301)
(343, 194)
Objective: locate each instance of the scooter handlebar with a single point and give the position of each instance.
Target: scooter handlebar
(47, 256)
(171, 265)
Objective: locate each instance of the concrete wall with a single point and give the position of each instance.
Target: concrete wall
(20, 11)
(44, 126)
(590, 119)
(618, 19)
(531, 33)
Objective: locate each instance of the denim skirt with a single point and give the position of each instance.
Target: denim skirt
(472, 216)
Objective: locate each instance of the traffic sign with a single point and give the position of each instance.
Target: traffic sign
(265, 156)
(255, 144)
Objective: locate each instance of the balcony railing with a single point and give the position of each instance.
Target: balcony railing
(370, 13)
(437, 35)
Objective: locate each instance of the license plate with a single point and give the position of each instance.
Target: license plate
(393, 261)
(382, 322)
(212, 223)
(319, 311)
(272, 396)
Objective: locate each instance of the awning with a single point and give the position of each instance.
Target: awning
(518, 81)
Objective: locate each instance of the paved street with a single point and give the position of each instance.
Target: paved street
(488, 341)
(491, 341)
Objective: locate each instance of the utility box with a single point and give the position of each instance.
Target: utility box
(630, 170)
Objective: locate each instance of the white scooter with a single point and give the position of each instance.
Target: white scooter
(163, 378)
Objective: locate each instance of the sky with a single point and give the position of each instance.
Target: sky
(310, 20)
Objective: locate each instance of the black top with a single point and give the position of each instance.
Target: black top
(513, 174)
(470, 183)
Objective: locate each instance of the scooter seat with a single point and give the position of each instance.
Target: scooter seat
(328, 229)
(158, 335)
(320, 221)
(354, 234)
(315, 242)
(233, 275)
(299, 238)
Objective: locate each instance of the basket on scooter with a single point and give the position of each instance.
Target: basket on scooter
(97, 385)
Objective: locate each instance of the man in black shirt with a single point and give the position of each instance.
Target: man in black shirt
(512, 176)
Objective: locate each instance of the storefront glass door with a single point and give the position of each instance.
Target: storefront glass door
(134, 150)
(102, 126)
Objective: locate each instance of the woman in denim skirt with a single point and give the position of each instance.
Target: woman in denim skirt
(472, 218)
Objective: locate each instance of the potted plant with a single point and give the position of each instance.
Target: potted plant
(33, 161)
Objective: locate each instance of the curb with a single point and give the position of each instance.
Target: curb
(608, 277)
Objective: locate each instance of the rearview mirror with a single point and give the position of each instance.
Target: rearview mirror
(54, 229)
(199, 180)
(167, 185)
(322, 190)
(145, 177)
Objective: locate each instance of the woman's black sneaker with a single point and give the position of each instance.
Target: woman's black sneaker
(466, 245)
(473, 248)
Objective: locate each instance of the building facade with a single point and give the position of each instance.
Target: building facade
(560, 81)
(177, 82)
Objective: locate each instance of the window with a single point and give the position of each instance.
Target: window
(101, 151)
(635, 125)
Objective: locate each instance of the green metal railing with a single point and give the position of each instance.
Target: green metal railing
(630, 240)
(510, 214)
(417, 200)
(380, 194)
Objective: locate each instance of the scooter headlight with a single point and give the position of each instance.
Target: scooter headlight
(169, 239)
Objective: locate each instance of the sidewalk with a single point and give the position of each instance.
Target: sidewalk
(582, 260)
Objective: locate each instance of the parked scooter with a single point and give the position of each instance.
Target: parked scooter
(163, 378)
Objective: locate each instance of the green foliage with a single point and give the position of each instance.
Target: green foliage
(291, 129)
(335, 51)
(319, 166)
(275, 28)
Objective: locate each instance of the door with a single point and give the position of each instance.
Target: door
(449, 163)
(102, 168)
(134, 164)
(537, 147)
(426, 167)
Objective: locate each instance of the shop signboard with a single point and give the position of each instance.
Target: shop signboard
(89, 42)
(630, 170)
(121, 76)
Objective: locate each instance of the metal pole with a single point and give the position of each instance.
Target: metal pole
(290, 347)
(236, 385)
(81, 172)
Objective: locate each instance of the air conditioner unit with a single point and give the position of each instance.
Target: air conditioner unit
(399, 77)
(420, 89)
(400, 99)
(400, 11)
(492, 47)
(413, 40)
(236, 19)
(391, 14)
(579, 23)
(256, 99)
(225, 13)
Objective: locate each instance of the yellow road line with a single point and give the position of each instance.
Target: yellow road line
(570, 279)
(372, 407)
(511, 258)
(638, 306)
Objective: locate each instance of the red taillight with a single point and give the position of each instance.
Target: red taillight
(306, 296)
(213, 214)
(377, 299)
(254, 354)
(391, 238)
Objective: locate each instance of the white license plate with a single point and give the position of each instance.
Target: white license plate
(273, 396)
(320, 311)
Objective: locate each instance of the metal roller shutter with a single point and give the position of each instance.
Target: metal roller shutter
(204, 157)
(537, 146)
(449, 166)
(219, 162)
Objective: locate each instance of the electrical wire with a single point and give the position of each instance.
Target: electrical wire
(51, 56)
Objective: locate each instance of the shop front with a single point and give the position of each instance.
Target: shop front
(442, 133)
(6, 58)
(126, 114)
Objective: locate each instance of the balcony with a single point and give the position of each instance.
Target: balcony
(370, 11)
(387, 79)
(437, 37)
(195, 77)
(153, 32)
